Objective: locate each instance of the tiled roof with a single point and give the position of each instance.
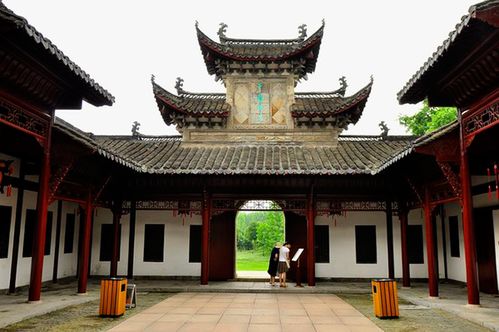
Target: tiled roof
(482, 17)
(330, 104)
(200, 104)
(22, 25)
(266, 51)
(166, 155)
(307, 104)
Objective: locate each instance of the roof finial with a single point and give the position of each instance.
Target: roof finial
(153, 78)
(135, 129)
(222, 30)
(179, 84)
(196, 24)
(302, 30)
(343, 82)
(323, 22)
(372, 79)
(384, 129)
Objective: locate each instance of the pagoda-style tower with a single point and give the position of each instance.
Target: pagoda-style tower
(260, 103)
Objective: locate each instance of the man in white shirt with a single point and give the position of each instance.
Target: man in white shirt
(283, 265)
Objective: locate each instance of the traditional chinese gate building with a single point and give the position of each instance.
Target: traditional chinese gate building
(164, 206)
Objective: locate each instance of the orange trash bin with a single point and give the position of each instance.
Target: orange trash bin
(385, 298)
(112, 297)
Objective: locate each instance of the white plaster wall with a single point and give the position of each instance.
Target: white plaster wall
(456, 267)
(176, 254)
(415, 217)
(105, 216)
(176, 249)
(342, 246)
(68, 263)
(495, 216)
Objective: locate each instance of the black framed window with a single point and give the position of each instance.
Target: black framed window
(29, 225)
(195, 244)
(365, 244)
(29, 230)
(5, 221)
(69, 233)
(415, 244)
(321, 234)
(154, 243)
(106, 242)
(454, 236)
(48, 233)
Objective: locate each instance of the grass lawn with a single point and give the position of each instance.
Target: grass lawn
(249, 260)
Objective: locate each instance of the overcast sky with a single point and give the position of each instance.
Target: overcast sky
(121, 43)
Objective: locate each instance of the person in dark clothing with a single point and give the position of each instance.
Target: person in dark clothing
(274, 259)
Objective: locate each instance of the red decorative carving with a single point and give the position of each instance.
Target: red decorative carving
(415, 190)
(452, 178)
(58, 175)
(23, 119)
(481, 119)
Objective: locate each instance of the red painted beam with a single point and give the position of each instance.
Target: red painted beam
(406, 273)
(310, 239)
(35, 284)
(116, 240)
(85, 248)
(430, 245)
(468, 228)
(205, 239)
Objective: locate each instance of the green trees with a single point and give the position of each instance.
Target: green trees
(259, 230)
(428, 119)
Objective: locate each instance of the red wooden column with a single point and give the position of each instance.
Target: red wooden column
(205, 239)
(430, 246)
(116, 239)
(389, 239)
(406, 273)
(468, 228)
(35, 284)
(310, 238)
(85, 248)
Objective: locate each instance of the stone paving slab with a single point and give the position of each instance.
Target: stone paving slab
(249, 312)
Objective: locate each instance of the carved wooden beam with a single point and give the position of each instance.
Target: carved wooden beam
(415, 190)
(59, 174)
(101, 188)
(451, 176)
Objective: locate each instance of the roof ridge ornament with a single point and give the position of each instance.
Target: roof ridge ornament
(384, 130)
(343, 85)
(221, 32)
(323, 22)
(135, 129)
(302, 30)
(179, 85)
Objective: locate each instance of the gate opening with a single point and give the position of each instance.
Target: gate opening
(259, 225)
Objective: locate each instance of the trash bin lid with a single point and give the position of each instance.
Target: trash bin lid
(383, 280)
(114, 278)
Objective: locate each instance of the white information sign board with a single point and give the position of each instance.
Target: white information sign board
(297, 254)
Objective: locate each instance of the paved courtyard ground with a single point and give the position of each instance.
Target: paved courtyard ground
(249, 312)
(245, 303)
